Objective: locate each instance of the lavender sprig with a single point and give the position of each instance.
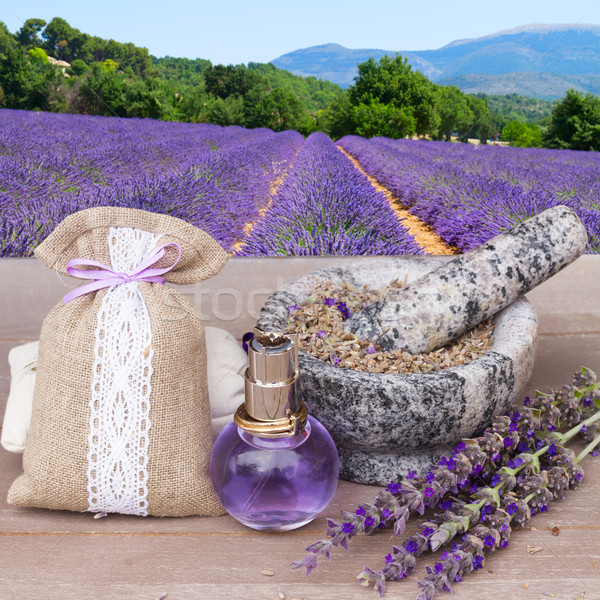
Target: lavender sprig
(434, 535)
(472, 460)
(564, 468)
(531, 495)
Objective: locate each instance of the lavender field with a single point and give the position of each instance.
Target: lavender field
(469, 194)
(261, 193)
(326, 206)
(52, 165)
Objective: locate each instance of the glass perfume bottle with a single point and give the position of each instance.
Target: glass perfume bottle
(275, 467)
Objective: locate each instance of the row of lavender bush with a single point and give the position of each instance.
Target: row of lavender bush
(52, 165)
(469, 194)
(219, 178)
(326, 206)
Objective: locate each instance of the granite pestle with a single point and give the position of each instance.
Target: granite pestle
(438, 307)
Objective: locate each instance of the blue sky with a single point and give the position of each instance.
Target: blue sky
(233, 31)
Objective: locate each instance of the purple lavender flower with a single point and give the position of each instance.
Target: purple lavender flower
(341, 306)
(460, 447)
(347, 527)
(393, 487)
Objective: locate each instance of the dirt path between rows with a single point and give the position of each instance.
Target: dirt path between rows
(423, 234)
(248, 227)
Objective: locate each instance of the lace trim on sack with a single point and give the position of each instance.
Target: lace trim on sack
(120, 402)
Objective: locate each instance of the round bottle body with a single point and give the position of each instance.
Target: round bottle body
(274, 484)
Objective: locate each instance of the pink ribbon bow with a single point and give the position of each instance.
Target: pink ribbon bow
(105, 277)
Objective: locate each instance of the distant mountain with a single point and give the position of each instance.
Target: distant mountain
(534, 60)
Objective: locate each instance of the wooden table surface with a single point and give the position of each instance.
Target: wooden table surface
(46, 555)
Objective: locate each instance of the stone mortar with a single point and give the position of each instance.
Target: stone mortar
(385, 425)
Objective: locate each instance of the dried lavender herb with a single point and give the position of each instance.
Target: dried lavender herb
(320, 323)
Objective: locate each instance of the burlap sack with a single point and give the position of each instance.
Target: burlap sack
(174, 448)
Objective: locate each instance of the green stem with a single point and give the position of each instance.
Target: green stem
(595, 442)
(573, 432)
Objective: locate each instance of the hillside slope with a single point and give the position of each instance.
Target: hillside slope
(554, 57)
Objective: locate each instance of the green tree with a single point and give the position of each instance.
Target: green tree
(56, 35)
(228, 111)
(223, 81)
(279, 109)
(180, 71)
(25, 84)
(315, 94)
(192, 103)
(78, 67)
(513, 107)
(392, 82)
(481, 125)
(454, 112)
(103, 92)
(386, 120)
(110, 65)
(522, 135)
(150, 98)
(93, 50)
(575, 123)
(38, 55)
(28, 36)
(336, 119)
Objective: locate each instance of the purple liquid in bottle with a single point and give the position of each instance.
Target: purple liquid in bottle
(275, 484)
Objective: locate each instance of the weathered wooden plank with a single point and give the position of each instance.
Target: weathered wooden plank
(230, 567)
(559, 356)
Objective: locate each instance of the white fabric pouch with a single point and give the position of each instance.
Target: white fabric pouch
(226, 363)
(23, 364)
